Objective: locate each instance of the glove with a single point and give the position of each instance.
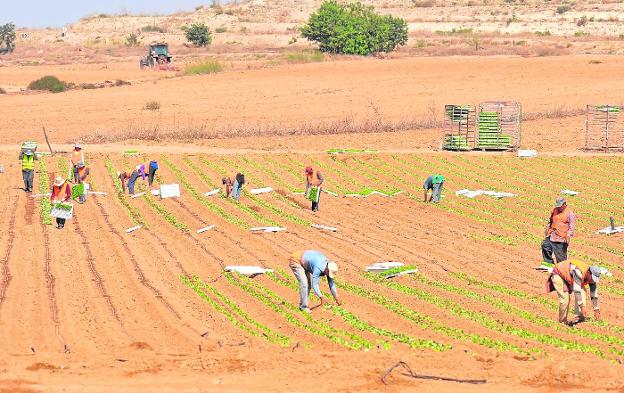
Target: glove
(597, 315)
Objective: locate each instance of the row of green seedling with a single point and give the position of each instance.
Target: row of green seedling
(292, 314)
(45, 206)
(131, 210)
(233, 312)
(362, 325)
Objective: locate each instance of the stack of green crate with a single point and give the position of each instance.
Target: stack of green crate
(456, 142)
(489, 132)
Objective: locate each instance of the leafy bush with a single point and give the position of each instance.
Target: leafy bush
(198, 34)
(50, 83)
(354, 29)
(582, 21)
(132, 40)
(152, 106)
(562, 9)
(7, 36)
(203, 67)
(152, 29)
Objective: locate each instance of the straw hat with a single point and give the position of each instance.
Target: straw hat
(59, 181)
(333, 269)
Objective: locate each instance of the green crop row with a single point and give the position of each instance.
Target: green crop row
(44, 186)
(164, 213)
(132, 211)
(288, 311)
(257, 216)
(200, 198)
(360, 324)
(233, 312)
(528, 316)
(483, 319)
(427, 323)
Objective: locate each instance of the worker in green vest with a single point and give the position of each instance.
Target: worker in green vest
(28, 157)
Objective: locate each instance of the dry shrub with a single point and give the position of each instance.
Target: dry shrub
(347, 125)
(152, 106)
(558, 112)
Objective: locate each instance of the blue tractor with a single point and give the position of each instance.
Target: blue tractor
(157, 56)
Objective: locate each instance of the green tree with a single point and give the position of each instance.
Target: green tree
(198, 34)
(354, 29)
(7, 36)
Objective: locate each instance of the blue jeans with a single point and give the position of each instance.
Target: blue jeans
(133, 178)
(305, 283)
(236, 190)
(437, 192)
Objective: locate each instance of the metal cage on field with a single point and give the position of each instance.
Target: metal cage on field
(604, 127)
(499, 125)
(459, 127)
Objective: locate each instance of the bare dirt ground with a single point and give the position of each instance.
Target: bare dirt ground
(293, 96)
(94, 309)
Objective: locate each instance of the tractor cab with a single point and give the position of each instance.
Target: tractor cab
(156, 54)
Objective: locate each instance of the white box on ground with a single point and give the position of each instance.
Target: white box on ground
(169, 191)
(527, 153)
(248, 270)
(155, 192)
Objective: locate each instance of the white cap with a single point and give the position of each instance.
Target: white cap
(59, 181)
(77, 146)
(332, 267)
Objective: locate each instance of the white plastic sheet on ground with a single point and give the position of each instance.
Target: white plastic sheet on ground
(129, 230)
(137, 195)
(475, 193)
(327, 192)
(155, 192)
(204, 229)
(257, 191)
(98, 193)
(527, 153)
(213, 192)
(267, 229)
(40, 195)
(610, 231)
(169, 191)
(248, 270)
(324, 227)
(383, 266)
(569, 192)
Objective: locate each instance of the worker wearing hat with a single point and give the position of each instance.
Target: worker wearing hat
(61, 192)
(308, 266)
(28, 157)
(570, 277)
(313, 179)
(435, 183)
(83, 176)
(77, 156)
(558, 232)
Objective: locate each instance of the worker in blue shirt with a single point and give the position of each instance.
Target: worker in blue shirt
(308, 266)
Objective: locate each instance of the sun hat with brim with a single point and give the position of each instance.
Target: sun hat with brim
(28, 152)
(437, 179)
(560, 202)
(596, 272)
(332, 267)
(59, 181)
(77, 146)
(308, 169)
(80, 164)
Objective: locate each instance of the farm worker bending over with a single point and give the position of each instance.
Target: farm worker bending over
(61, 192)
(312, 263)
(140, 169)
(28, 158)
(572, 276)
(559, 231)
(77, 156)
(123, 178)
(83, 175)
(314, 179)
(151, 168)
(435, 184)
(234, 185)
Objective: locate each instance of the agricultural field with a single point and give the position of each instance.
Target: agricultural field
(155, 304)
